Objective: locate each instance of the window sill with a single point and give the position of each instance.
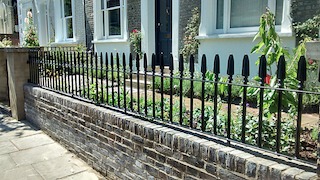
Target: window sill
(109, 41)
(238, 35)
(64, 43)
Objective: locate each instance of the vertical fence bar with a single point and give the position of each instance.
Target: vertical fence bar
(51, 60)
(70, 74)
(42, 82)
(171, 88)
(107, 78)
(245, 74)
(65, 58)
(301, 77)
(230, 72)
(153, 88)
(203, 71)
(281, 75)
(124, 82)
(138, 81)
(216, 71)
(43, 65)
(88, 81)
(74, 74)
(92, 74)
(262, 75)
(161, 86)
(131, 87)
(181, 69)
(50, 77)
(191, 89)
(83, 75)
(118, 79)
(101, 78)
(55, 72)
(112, 79)
(97, 83)
(145, 65)
(79, 73)
(58, 60)
(45, 71)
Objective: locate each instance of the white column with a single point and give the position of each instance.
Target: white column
(148, 28)
(175, 33)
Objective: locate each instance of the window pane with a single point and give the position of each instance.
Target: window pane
(102, 4)
(113, 3)
(246, 13)
(114, 22)
(69, 28)
(279, 9)
(219, 14)
(67, 8)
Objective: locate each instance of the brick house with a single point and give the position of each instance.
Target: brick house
(227, 26)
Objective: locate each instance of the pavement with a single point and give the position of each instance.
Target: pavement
(28, 153)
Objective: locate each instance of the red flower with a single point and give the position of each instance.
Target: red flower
(267, 79)
(310, 61)
(135, 31)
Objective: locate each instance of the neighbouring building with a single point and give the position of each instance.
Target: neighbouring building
(227, 26)
(58, 22)
(8, 20)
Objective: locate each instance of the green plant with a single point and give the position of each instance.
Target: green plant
(190, 43)
(30, 38)
(5, 42)
(308, 29)
(135, 40)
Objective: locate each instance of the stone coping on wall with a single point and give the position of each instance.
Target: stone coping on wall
(122, 146)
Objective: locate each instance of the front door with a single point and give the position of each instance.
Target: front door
(164, 29)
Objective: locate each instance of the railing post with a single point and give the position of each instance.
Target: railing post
(18, 75)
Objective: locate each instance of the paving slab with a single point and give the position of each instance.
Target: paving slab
(38, 154)
(32, 141)
(21, 173)
(6, 163)
(7, 147)
(63, 166)
(28, 153)
(85, 175)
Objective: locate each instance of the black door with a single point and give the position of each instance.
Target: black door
(164, 29)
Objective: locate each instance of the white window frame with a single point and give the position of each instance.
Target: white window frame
(64, 21)
(227, 15)
(106, 33)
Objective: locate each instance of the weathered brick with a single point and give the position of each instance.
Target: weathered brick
(193, 161)
(176, 164)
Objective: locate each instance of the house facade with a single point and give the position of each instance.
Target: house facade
(58, 22)
(227, 26)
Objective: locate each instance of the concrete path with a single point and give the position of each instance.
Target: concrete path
(27, 153)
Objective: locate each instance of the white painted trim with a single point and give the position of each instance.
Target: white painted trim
(148, 27)
(238, 35)
(110, 41)
(175, 33)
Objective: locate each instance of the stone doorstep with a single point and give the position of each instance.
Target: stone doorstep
(252, 163)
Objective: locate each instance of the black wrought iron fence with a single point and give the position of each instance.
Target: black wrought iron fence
(264, 114)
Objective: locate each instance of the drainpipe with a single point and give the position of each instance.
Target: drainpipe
(85, 22)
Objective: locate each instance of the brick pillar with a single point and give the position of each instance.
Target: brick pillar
(4, 93)
(18, 75)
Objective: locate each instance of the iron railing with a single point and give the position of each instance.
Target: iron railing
(108, 80)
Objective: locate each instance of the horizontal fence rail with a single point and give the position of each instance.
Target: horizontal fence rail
(202, 100)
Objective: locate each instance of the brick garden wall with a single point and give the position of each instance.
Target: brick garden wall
(120, 146)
